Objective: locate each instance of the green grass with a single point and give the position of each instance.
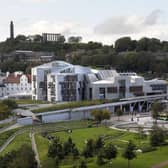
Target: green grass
(119, 138)
(17, 143)
(72, 105)
(29, 101)
(42, 146)
(80, 136)
(4, 136)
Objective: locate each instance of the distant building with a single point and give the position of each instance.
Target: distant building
(61, 81)
(29, 56)
(11, 30)
(17, 84)
(51, 37)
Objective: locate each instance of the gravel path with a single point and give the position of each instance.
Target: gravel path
(34, 147)
(161, 165)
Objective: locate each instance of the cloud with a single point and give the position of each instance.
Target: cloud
(106, 32)
(118, 25)
(127, 24)
(153, 17)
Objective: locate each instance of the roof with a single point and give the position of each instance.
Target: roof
(12, 78)
(104, 82)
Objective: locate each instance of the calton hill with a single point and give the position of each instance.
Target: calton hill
(96, 142)
(147, 56)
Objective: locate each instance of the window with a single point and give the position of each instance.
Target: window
(112, 90)
(136, 89)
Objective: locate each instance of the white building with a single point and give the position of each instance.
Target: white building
(18, 84)
(61, 81)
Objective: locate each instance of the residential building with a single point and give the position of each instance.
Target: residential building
(61, 81)
(17, 84)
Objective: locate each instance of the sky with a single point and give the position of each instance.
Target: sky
(95, 20)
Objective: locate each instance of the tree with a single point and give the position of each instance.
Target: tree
(123, 44)
(25, 156)
(68, 146)
(129, 152)
(110, 152)
(100, 115)
(4, 111)
(20, 38)
(10, 103)
(106, 114)
(83, 164)
(100, 159)
(57, 162)
(99, 143)
(56, 149)
(74, 39)
(89, 149)
(157, 136)
(119, 113)
(156, 109)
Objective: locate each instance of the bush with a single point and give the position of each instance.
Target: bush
(148, 149)
(10, 103)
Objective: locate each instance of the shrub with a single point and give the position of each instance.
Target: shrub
(148, 149)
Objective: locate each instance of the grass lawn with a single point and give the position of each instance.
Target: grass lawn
(17, 143)
(79, 136)
(29, 101)
(4, 136)
(72, 105)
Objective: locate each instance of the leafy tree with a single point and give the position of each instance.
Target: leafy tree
(4, 111)
(89, 149)
(129, 152)
(110, 152)
(74, 39)
(10, 103)
(100, 115)
(99, 143)
(119, 113)
(57, 162)
(157, 136)
(123, 44)
(68, 146)
(25, 156)
(83, 164)
(75, 152)
(106, 115)
(156, 109)
(100, 159)
(56, 149)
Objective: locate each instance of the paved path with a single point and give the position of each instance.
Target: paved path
(161, 165)
(34, 147)
(7, 128)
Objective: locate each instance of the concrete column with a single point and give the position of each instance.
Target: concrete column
(70, 116)
(139, 107)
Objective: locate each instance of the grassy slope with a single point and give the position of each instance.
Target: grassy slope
(79, 136)
(17, 143)
(72, 105)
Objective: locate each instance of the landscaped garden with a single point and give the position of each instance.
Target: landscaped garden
(80, 136)
(118, 138)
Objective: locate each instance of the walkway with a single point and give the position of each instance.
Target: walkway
(34, 147)
(161, 165)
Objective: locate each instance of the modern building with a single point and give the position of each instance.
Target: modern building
(61, 81)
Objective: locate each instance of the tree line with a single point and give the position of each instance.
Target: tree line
(144, 55)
